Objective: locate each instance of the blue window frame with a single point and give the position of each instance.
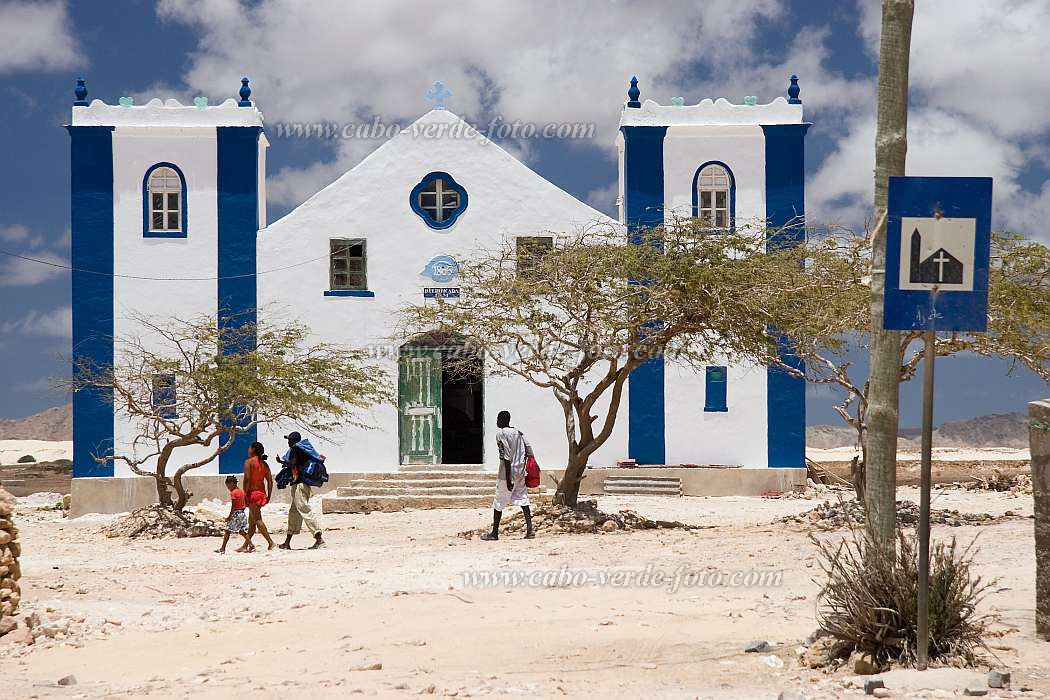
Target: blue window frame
(164, 398)
(714, 195)
(715, 389)
(438, 200)
(164, 202)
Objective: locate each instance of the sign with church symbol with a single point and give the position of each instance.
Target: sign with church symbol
(937, 249)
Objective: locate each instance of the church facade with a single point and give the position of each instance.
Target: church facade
(168, 201)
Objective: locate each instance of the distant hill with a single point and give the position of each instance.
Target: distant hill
(996, 430)
(52, 424)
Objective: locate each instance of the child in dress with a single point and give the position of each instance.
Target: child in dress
(237, 520)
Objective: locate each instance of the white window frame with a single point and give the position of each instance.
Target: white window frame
(439, 211)
(160, 182)
(714, 180)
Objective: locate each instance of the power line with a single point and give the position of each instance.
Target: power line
(51, 263)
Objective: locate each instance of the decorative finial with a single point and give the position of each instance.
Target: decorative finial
(438, 93)
(126, 101)
(246, 93)
(678, 101)
(793, 91)
(200, 102)
(634, 93)
(751, 100)
(81, 93)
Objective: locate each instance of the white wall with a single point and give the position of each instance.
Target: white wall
(135, 149)
(505, 199)
(738, 436)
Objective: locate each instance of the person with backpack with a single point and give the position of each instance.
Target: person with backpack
(303, 469)
(514, 450)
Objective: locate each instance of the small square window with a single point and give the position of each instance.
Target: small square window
(529, 250)
(348, 264)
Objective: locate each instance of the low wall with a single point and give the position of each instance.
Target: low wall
(696, 481)
(123, 494)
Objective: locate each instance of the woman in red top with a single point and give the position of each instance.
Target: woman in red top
(258, 484)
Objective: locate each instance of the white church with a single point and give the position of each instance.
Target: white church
(165, 190)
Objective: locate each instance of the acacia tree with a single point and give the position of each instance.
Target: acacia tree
(579, 318)
(194, 383)
(1018, 328)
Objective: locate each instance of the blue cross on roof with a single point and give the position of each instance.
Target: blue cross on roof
(438, 93)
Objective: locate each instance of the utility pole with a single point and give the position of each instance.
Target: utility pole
(891, 148)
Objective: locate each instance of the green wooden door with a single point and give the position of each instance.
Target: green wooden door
(419, 405)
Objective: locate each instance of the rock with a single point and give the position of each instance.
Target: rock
(32, 620)
(610, 526)
(377, 666)
(863, 664)
(996, 679)
(67, 680)
(773, 661)
(881, 692)
(791, 695)
(873, 684)
(817, 654)
(7, 625)
(975, 691)
(756, 646)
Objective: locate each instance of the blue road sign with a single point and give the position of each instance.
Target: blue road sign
(938, 241)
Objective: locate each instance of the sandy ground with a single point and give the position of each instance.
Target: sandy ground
(43, 450)
(173, 619)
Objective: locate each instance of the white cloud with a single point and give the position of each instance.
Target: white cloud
(604, 199)
(985, 60)
(50, 257)
(978, 99)
(540, 62)
(57, 323)
(36, 36)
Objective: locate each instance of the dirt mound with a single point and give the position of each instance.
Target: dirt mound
(158, 523)
(1014, 484)
(585, 517)
(833, 516)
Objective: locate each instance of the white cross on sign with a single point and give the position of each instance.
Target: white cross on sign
(940, 260)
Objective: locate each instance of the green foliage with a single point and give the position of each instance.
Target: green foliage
(228, 379)
(578, 318)
(869, 599)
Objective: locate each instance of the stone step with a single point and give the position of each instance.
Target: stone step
(424, 476)
(388, 504)
(410, 468)
(643, 485)
(654, 479)
(401, 490)
(422, 483)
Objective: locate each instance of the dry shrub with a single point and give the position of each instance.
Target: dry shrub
(869, 602)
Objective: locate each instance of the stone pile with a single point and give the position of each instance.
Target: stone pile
(584, 518)
(1015, 485)
(10, 572)
(832, 516)
(156, 523)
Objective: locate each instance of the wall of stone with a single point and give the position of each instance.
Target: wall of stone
(9, 570)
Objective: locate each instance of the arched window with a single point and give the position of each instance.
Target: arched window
(164, 202)
(438, 200)
(713, 195)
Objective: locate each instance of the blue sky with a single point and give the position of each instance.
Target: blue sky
(978, 103)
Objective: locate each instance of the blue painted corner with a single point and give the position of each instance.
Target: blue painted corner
(237, 183)
(785, 218)
(644, 208)
(91, 222)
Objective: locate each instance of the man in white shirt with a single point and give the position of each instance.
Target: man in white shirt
(510, 482)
